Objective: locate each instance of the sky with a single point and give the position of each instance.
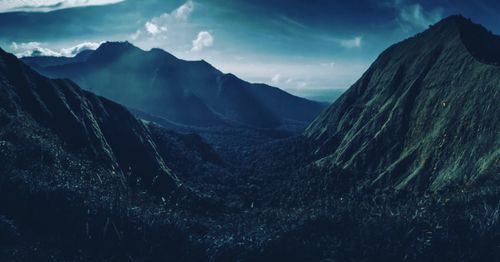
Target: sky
(297, 45)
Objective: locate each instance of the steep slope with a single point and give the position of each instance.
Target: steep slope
(425, 114)
(93, 129)
(187, 92)
(82, 179)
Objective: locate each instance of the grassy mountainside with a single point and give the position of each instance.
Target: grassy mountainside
(424, 115)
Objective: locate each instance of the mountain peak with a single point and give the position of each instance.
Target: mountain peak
(479, 42)
(453, 20)
(448, 27)
(111, 50)
(462, 24)
(117, 44)
(420, 93)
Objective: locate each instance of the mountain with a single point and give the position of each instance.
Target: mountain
(186, 92)
(44, 61)
(64, 120)
(81, 179)
(80, 172)
(424, 115)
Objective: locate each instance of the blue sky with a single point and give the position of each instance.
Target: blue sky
(296, 45)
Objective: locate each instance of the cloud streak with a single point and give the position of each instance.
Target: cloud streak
(48, 5)
(415, 16)
(356, 42)
(183, 12)
(411, 15)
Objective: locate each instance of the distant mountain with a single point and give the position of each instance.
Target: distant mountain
(44, 61)
(186, 92)
(424, 115)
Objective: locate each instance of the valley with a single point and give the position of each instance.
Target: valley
(198, 165)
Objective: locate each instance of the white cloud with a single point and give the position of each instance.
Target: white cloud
(415, 16)
(37, 49)
(157, 26)
(72, 51)
(48, 5)
(32, 49)
(184, 11)
(154, 29)
(204, 39)
(276, 79)
(356, 42)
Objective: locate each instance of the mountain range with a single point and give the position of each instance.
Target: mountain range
(186, 92)
(404, 166)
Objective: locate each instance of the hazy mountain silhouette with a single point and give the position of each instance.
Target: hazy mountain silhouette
(186, 92)
(44, 61)
(425, 114)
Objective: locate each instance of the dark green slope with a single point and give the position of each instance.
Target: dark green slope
(425, 114)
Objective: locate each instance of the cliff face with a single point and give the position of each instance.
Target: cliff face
(425, 114)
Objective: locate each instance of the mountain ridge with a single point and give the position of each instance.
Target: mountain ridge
(91, 126)
(161, 84)
(389, 122)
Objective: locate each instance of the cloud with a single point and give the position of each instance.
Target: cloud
(302, 74)
(159, 25)
(355, 42)
(204, 39)
(302, 84)
(415, 16)
(73, 51)
(276, 79)
(37, 49)
(32, 49)
(412, 16)
(184, 11)
(48, 5)
(352, 43)
(154, 29)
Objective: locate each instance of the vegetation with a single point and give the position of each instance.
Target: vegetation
(81, 179)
